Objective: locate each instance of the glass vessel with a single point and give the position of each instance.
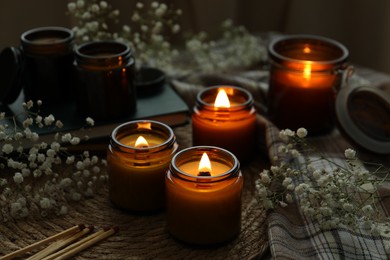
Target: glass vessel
(137, 172)
(204, 209)
(305, 74)
(106, 80)
(47, 54)
(232, 128)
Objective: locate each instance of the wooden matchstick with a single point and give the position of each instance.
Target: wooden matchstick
(89, 243)
(60, 244)
(42, 242)
(74, 245)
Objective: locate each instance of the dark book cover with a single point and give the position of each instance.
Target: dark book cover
(166, 106)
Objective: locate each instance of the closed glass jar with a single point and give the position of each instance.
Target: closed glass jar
(47, 54)
(232, 128)
(204, 210)
(136, 173)
(106, 80)
(305, 74)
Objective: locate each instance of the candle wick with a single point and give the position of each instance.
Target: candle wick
(204, 173)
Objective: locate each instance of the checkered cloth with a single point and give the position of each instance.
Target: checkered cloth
(291, 235)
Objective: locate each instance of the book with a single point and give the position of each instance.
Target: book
(166, 107)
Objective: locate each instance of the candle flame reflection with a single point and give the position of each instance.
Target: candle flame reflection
(222, 99)
(306, 49)
(307, 71)
(204, 166)
(144, 125)
(141, 142)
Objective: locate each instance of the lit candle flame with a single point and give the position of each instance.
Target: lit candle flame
(141, 142)
(204, 166)
(222, 99)
(307, 71)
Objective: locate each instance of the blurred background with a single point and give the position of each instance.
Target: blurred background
(363, 26)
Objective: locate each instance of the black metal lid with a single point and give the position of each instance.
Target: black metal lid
(10, 74)
(363, 114)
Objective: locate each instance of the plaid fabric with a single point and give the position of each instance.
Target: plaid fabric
(292, 236)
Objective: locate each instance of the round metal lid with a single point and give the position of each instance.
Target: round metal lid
(363, 114)
(10, 74)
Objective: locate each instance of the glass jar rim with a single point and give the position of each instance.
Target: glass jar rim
(247, 103)
(132, 125)
(101, 53)
(64, 35)
(322, 41)
(213, 150)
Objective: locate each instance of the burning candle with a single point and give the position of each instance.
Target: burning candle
(224, 116)
(203, 195)
(138, 157)
(305, 72)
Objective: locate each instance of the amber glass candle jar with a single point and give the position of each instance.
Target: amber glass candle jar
(204, 202)
(137, 168)
(305, 73)
(232, 126)
(47, 54)
(106, 79)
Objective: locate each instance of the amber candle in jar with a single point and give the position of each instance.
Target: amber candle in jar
(224, 116)
(138, 157)
(106, 80)
(203, 196)
(305, 73)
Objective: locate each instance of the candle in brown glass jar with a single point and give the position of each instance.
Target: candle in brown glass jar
(304, 74)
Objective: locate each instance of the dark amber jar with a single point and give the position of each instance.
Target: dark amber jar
(204, 210)
(47, 54)
(106, 80)
(305, 73)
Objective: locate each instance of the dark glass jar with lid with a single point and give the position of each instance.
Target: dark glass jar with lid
(47, 55)
(106, 79)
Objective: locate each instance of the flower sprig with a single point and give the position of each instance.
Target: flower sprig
(41, 177)
(331, 191)
(154, 28)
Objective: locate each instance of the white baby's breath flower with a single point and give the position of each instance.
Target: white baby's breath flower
(301, 132)
(350, 154)
(89, 120)
(45, 203)
(71, 7)
(75, 140)
(7, 148)
(18, 178)
(64, 210)
(49, 120)
(28, 122)
(139, 5)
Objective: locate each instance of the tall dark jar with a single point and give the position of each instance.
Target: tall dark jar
(105, 80)
(47, 54)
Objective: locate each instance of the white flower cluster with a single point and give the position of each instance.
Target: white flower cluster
(236, 49)
(340, 193)
(43, 177)
(93, 18)
(150, 35)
